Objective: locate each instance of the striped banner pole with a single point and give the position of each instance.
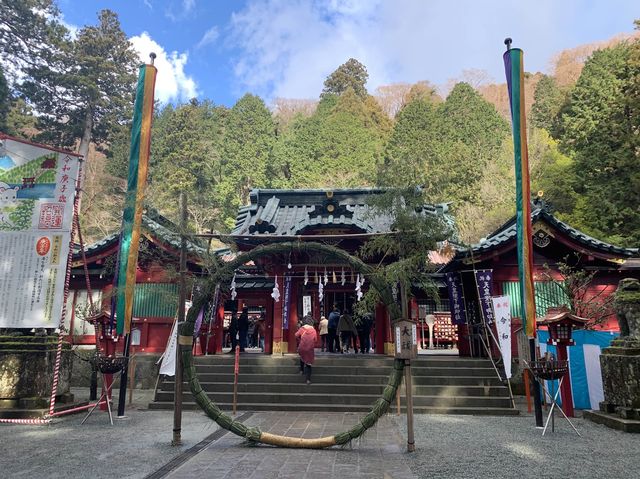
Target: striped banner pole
(514, 71)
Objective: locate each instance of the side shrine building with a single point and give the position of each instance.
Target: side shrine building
(313, 284)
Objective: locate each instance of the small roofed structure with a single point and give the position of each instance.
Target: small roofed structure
(561, 322)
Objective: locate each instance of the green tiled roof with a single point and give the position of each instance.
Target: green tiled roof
(155, 224)
(507, 232)
(292, 212)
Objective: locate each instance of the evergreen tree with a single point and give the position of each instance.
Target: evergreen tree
(85, 88)
(351, 74)
(5, 101)
(247, 153)
(548, 102)
(601, 132)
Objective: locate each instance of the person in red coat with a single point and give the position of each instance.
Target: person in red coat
(307, 337)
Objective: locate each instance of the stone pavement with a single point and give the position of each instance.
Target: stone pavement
(380, 454)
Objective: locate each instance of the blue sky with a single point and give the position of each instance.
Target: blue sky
(221, 49)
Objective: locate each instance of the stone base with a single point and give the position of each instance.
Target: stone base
(620, 364)
(613, 421)
(26, 369)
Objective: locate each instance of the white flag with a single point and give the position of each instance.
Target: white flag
(502, 315)
(168, 358)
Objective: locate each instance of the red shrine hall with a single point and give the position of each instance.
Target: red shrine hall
(313, 284)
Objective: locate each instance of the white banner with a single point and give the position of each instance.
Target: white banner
(306, 305)
(502, 315)
(168, 366)
(37, 190)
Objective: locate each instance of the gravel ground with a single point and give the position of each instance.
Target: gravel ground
(132, 448)
(511, 447)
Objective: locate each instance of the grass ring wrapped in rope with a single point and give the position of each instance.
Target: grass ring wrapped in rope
(253, 434)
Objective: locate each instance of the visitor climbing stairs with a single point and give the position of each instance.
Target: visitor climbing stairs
(344, 383)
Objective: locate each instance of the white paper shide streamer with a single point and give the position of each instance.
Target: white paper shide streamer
(326, 277)
(343, 278)
(358, 288)
(275, 294)
(306, 276)
(233, 287)
(320, 291)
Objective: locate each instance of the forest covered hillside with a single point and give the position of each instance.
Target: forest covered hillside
(454, 140)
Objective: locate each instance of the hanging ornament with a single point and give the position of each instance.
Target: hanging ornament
(233, 288)
(275, 294)
(343, 278)
(362, 280)
(333, 273)
(320, 292)
(306, 276)
(358, 290)
(316, 276)
(326, 277)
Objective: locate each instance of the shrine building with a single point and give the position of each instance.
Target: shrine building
(342, 218)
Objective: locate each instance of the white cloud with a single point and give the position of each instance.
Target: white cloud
(148, 4)
(209, 36)
(288, 47)
(172, 83)
(188, 5)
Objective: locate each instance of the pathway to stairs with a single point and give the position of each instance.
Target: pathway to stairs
(344, 383)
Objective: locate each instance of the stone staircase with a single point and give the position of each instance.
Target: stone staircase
(344, 383)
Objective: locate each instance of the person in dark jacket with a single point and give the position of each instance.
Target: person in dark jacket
(347, 331)
(334, 341)
(233, 330)
(243, 328)
(364, 332)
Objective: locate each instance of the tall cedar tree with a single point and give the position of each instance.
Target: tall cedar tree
(351, 74)
(248, 144)
(86, 87)
(548, 102)
(601, 131)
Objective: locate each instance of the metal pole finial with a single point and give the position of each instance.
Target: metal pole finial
(507, 42)
(153, 57)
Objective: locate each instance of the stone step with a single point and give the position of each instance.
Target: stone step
(336, 359)
(344, 370)
(319, 377)
(302, 406)
(330, 388)
(306, 392)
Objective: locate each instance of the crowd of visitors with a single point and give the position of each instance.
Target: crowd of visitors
(341, 333)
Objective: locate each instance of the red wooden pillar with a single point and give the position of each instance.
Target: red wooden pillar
(277, 317)
(268, 330)
(293, 316)
(565, 389)
(381, 327)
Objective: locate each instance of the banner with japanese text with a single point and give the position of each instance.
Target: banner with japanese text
(502, 311)
(286, 310)
(456, 298)
(484, 280)
(37, 191)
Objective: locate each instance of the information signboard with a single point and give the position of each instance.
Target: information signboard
(37, 191)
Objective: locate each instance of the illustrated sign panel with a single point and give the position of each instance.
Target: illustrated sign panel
(37, 190)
